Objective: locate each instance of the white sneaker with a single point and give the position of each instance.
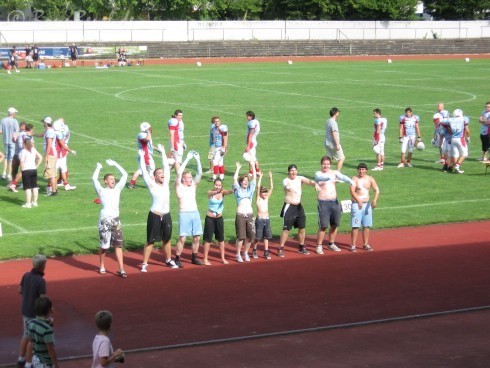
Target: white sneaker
(368, 248)
(400, 165)
(319, 249)
(246, 257)
(144, 267)
(334, 248)
(239, 259)
(34, 204)
(409, 164)
(8, 71)
(458, 170)
(17, 71)
(378, 168)
(9, 177)
(353, 248)
(27, 205)
(70, 187)
(4, 176)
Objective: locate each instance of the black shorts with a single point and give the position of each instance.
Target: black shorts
(485, 142)
(158, 228)
(293, 215)
(29, 179)
(35, 57)
(328, 214)
(73, 57)
(262, 228)
(214, 226)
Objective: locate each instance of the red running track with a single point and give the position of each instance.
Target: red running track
(412, 271)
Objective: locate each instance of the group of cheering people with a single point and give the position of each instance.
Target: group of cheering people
(250, 228)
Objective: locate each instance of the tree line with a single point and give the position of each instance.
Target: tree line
(246, 9)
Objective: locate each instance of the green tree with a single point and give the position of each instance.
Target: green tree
(458, 9)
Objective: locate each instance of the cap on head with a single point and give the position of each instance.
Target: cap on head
(12, 110)
(145, 126)
(362, 165)
(458, 112)
(333, 111)
(47, 120)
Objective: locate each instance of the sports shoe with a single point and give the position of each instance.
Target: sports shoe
(21, 364)
(280, 253)
(4, 176)
(27, 205)
(409, 164)
(34, 204)
(9, 177)
(70, 187)
(196, 262)
(239, 259)
(246, 257)
(378, 168)
(353, 248)
(171, 264)
(144, 267)
(302, 250)
(13, 188)
(333, 247)
(441, 161)
(266, 254)
(17, 71)
(254, 254)
(458, 170)
(178, 263)
(319, 249)
(130, 186)
(9, 72)
(368, 248)
(400, 165)
(482, 159)
(52, 194)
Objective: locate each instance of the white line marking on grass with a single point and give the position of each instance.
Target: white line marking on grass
(20, 228)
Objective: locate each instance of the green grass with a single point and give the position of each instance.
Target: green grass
(105, 107)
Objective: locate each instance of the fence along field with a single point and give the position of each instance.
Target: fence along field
(105, 107)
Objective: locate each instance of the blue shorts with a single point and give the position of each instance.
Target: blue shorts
(190, 224)
(9, 151)
(362, 216)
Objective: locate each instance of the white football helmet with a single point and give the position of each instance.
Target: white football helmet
(58, 125)
(458, 112)
(437, 118)
(144, 126)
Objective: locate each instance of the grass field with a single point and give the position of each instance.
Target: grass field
(105, 107)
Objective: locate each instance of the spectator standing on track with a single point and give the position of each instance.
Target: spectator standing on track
(409, 136)
(253, 130)
(102, 350)
(292, 212)
(145, 143)
(485, 131)
(110, 228)
(73, 51)
(243, 189)
(12, 62)
(30, 160)
(177, 144)
(332, 138)
(189, 218)
(219, 139)
(362, 208)
(29, 60)
(329, 210)
(262, 222)
(9, 128)
(380, 125)
(35, 55)
(213, 223)
(121, 57)
(42, 336)
(159, 221)
(31, 287)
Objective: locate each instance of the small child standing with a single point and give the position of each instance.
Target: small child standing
(262, 222)
(104, 354)
(41, 335)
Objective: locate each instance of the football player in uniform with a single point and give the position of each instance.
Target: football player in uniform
(380, 124)
(219, 139)
(409, 136)
(177, 144)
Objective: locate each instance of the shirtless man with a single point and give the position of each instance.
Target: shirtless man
(292, 212)
(361, 210)
(328, 206)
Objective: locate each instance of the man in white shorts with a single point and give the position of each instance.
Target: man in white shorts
(409, 136)
(253, 130)
(189, 218)
(380, 125)
(457, 126)
(62, 138)
(219, 139)
(110, 228)
(177, 144)
(332, 139)
(362, 209)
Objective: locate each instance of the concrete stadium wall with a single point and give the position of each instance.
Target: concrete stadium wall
(19, 33)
